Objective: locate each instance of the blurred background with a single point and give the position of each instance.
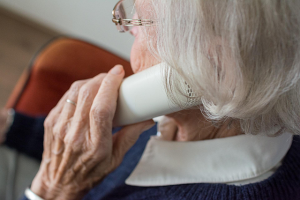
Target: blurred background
(25, 25)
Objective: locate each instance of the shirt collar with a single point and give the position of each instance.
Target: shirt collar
(224, 160)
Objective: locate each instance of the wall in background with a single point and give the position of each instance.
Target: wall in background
(86, 19)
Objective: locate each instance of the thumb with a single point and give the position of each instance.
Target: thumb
(126, 138)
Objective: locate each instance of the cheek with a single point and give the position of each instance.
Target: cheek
(140, 57)
(136, 56)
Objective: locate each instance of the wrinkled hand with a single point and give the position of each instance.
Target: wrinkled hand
(79, 148)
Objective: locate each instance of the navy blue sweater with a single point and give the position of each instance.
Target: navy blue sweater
(26, 135)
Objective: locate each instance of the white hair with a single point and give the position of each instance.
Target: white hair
(242, 56)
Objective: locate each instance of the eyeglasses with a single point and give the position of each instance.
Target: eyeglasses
(124, 16)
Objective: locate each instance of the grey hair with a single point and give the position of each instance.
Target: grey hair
(242, 56)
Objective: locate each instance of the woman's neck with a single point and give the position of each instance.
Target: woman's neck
(191, 125)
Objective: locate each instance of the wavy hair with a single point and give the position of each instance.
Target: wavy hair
(242, 56)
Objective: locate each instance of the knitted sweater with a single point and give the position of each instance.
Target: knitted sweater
(26, 136)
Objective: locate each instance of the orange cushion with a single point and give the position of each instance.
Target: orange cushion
(58, 65)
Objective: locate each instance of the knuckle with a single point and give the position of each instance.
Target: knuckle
(101, 113)
(51, 119)
(101, 156)
(75, 136)
(67, 141)
(76, 86)
(107, 82)
(59, 130)
(56, 130)
(49, 122)
(76, 149)
(84, 91)
(98, 155)
(74, 90)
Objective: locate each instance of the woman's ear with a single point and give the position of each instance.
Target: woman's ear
(221, 58)
(215, 53)
(220, 55)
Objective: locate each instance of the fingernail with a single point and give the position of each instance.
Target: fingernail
(118, 69)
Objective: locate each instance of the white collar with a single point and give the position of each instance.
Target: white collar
(232, 159)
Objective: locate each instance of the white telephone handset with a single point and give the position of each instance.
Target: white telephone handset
(142, 96)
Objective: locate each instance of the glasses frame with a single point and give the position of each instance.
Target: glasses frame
(130, 22)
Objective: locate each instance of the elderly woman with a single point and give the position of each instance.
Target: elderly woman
(242, 57)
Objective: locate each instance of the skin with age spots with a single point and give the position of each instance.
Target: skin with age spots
(140, 57)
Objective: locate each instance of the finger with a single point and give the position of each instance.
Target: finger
(86, 96)
(75, 136)
(100, 124)
(62, 124)
(104, 106)
(49, 123)
(48, 142)
(80, 122)
(126, 138)
(68, 109)
(168, 128)
(65, 164)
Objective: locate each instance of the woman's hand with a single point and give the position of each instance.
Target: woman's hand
(79, 148)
